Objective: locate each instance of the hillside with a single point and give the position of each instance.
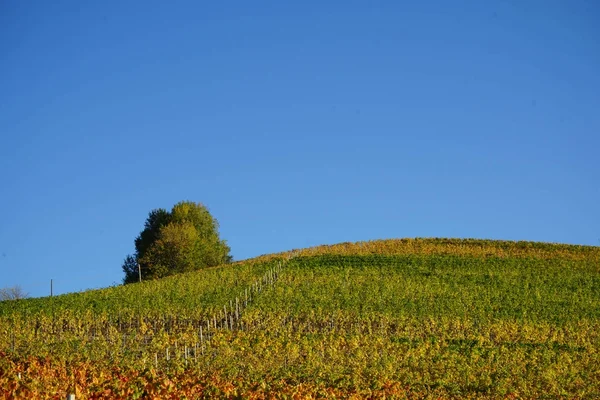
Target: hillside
(407, 318)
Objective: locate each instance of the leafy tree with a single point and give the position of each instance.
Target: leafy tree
(176, 250)
(12, 293)
(130, 268)
(214, 250)
(182, 240)
(156, 220)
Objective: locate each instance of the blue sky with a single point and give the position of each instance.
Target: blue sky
(296, 124)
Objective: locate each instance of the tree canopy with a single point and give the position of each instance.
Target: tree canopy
(184, 239)
(12, 293)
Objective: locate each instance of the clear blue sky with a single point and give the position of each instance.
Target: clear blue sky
(296, 124)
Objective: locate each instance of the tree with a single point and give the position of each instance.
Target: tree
(176, 250)
(184, 239)
(130, 267)
(156, 220)
(143, 242)
(12, 293)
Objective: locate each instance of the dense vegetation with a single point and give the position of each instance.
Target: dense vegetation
(181, 240)
(400, 318)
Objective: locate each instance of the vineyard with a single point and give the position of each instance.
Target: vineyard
(410, 318)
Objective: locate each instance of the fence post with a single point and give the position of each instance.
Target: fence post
(72, 388)
(237, 309)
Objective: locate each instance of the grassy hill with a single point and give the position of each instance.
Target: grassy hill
(408, 318)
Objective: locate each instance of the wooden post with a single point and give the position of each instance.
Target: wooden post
(140, 271)
(237, 309)
(72, 388)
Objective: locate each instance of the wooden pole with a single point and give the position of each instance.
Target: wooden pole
(50, 287)
(72, 389)
(140, 271)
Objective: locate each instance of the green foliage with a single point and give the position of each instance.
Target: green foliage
(130, 268)
(156, 220)
(395, 319)
(182, 240)
(176, 250)
(438, 286)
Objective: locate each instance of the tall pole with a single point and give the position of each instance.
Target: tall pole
(140, 271)
(50, 287)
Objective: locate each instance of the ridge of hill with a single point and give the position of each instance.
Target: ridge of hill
(449, 246)
(180, 287)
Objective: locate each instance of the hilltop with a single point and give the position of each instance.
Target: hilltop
(449, 318)
(183, 287)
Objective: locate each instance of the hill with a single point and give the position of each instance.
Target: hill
(411, 318)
